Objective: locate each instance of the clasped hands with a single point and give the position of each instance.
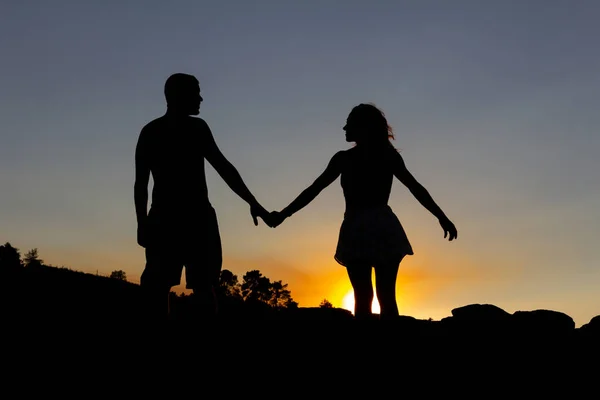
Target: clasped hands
(273, 219)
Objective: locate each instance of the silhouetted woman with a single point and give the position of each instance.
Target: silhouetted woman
(371, 236)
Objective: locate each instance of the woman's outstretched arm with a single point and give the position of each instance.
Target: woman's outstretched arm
(332, 171)
(422, 195)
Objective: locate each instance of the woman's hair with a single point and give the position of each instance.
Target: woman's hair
(373, 124)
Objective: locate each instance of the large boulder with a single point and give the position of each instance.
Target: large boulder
(592, 327)
(481, 313)
(546, 321)
(475, 319)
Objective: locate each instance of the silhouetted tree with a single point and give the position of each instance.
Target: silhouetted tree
(325, 304)
(10, 258)
(229, 285)
(120, 275)
(256, 287)
(32, 260)
(280, 296)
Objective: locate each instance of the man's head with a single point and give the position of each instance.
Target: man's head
(182, 92)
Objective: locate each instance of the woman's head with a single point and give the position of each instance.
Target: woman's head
(366, 124)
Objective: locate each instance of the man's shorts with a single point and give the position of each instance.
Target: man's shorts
(191, 242)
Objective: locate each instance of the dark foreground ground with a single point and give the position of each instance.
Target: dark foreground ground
(74, 333)
(298, 357)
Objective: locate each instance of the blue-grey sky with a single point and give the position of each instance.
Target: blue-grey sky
(494, 105)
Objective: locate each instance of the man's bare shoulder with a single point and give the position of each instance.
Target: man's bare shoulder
(198, 122)
(153, 125)
(164, 123)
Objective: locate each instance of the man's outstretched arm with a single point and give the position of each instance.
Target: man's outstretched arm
(232, 177)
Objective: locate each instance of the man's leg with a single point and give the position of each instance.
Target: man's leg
(155, 303)
(204, 260)
(203, 279)
(205, 302)
(156, 283)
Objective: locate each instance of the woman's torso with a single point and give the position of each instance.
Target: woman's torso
(367, 177)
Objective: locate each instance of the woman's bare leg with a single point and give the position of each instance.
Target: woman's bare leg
(360, 278)
(385, 284)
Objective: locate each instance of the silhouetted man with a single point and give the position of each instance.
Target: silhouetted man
(181, 227)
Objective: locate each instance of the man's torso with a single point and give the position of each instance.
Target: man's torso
(175, 151)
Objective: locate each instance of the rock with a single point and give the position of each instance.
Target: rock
(548, 321)
(592, 327)
(481, 313)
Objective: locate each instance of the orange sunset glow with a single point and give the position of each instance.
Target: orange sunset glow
(348, 303)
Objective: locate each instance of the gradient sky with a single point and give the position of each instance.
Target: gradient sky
(495, 106)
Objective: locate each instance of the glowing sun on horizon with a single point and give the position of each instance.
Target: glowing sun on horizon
(348, 303)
